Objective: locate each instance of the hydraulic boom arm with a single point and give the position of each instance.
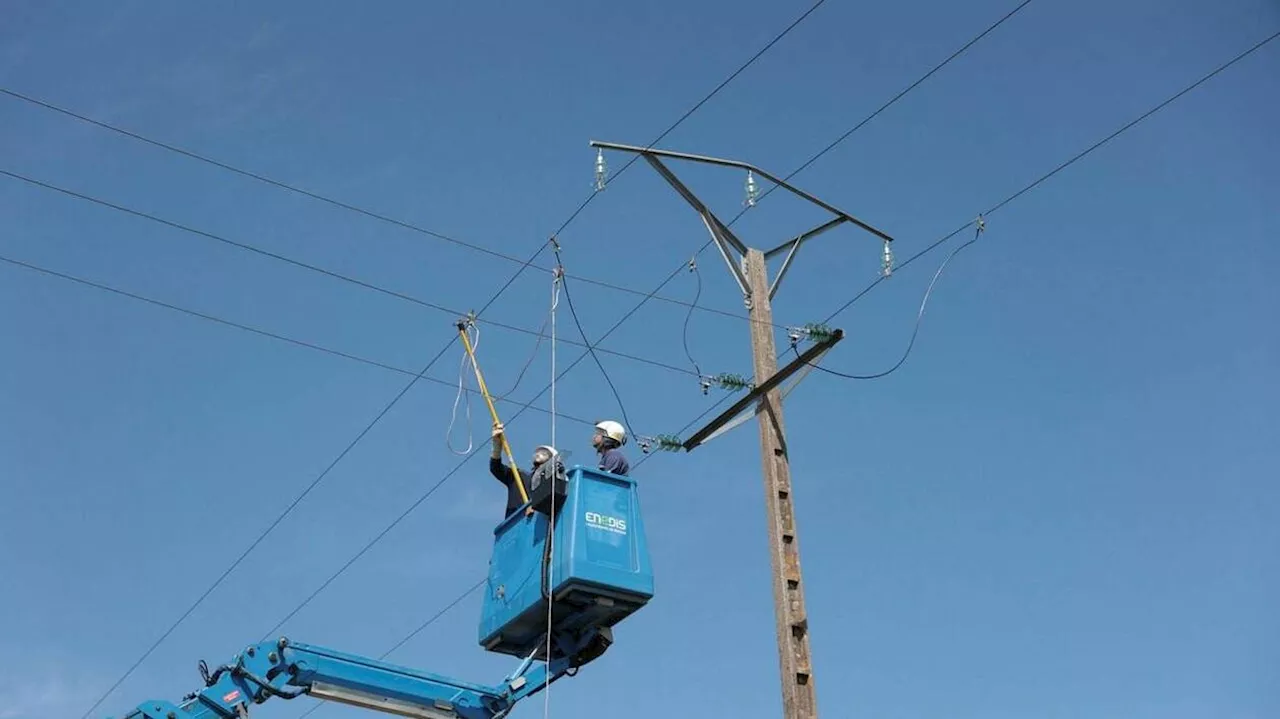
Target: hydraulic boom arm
(287, 670)
(555, 592)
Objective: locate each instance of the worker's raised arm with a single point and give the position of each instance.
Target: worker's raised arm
(499, 470)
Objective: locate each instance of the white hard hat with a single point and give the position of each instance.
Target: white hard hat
(545, 449)
(613, 430)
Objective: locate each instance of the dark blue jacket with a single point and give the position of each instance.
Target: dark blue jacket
(614, 461)
(503, 474)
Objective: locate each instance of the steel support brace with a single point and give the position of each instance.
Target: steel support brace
(792, 246)
(651, 154)
(720, 234)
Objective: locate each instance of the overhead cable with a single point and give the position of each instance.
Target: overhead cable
(668, 279)
(697, 276)
(308, 266)
(264, 333)
(574, 312)
(413, 381)
(915, 330)
(1024, 190)
(1071, 161)
(756, 198)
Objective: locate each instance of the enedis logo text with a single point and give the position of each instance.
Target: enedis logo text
(607, 523)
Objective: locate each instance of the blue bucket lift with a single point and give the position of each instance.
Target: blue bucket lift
(595, 574)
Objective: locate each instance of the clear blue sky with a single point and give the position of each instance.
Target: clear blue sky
(1063, 505)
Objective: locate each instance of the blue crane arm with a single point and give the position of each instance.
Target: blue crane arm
(571, 578)
(287, 670)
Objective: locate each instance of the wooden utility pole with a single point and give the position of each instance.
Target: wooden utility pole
(799, 696)
(749, 268)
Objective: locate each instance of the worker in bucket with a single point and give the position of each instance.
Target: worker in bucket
(541, 455)
(608, 438)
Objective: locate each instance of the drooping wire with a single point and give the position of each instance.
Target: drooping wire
(474, 331)
(529, 362)
(693, 267)
(457, 467)
(568, 298)
(378, 418)
(940, 241)
(981, 225)
(672, 275)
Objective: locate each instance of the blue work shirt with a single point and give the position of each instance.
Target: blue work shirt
(612, 460)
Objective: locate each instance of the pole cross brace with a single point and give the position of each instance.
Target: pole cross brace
(720, 233)
(804, 360)
(725, 240)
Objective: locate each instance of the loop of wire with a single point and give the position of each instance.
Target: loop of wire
(474, 332)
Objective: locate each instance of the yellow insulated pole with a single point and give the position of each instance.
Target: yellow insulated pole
(493, 411)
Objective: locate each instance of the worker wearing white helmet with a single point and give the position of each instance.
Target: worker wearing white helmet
(608, 438)
(503, 473)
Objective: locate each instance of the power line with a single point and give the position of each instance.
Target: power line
(574, 312)
(1074, 159)
(699, 104)
(580, 357)
(1036, 183)
(671, 300)
(940, 241)
(414, 380)
(561, 375)
(459, 465)
(306, 265)
(915, 330)
(401, 517)
(1133, 122)
(264, 333)
(963, 48)
(697, 276)
(831, 146)
(254, 175)
(863, 122)
(364, 211)
(383, 533)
